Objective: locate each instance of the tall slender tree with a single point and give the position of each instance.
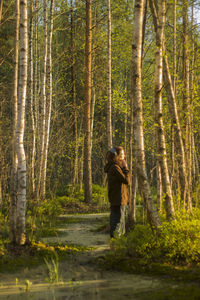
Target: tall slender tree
(41, 179)
(144, 187)
(74, 98)
(31, 95)
(19, 134)
(109, 72)
(186, 103)
(87, 105)
(13, 189)
(50, 95)
(180, 150)
(160, 136)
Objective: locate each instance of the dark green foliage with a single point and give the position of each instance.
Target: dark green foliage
(177, 244)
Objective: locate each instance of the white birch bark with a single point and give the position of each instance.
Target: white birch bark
(160, 136)
(48, 111)
(174, 114)
(144, 187)
(31, 101)
(21, 180)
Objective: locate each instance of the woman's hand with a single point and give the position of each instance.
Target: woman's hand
(124, 164)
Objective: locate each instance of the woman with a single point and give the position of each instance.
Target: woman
(118, 179)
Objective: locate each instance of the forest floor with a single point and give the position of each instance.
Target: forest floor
(80, 277)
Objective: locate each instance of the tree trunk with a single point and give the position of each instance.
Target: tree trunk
(1, 9)
(174, 79)
(31, 93)
(152, 214)
(73, 78)
(87, 114)
(159, 186)
(109, 100)
(186, 102)
(41, 183)
(174, 115)
(49, 104)
(36, 87)
(160, 136)
(13, 189)
(21, 172)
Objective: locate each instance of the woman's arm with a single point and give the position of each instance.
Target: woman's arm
(121, 175)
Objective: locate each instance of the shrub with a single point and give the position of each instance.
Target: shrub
(177, 243)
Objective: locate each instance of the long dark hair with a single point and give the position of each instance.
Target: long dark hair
(113, 154)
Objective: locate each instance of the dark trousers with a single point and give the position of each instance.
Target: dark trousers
(115, 215)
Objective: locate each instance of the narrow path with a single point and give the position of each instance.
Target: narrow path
(81, 278)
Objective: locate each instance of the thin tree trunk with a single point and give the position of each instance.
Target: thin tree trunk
(132, 212)
(93, 102)
(73, 78)
(174, 79)
(13, 192)
(21, 172)
(159, 186)
(174, 115)
(195, 163)
(87, 107)
(36, 87)
(1, 9)
(109, 72)
(160, 136)
(40, 187)
(152, 214)
(31, 101)
(49, 105)
(186, 101)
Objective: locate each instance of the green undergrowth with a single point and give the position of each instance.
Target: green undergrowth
(72, 200)
(175, 251)
(43, 217)
(13, 258)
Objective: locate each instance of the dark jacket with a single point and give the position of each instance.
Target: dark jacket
(118, 179)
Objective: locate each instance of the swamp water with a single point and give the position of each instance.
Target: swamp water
(79, 278)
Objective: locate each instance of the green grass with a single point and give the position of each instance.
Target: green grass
(30, 255)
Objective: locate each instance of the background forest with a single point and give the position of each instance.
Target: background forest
(81, 96)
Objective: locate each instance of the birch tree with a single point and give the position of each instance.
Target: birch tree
(159, 126)
(41, 183)
(180, 150)
(144, 187)
(87, 105)
(31, 95)
(50, 91)
(19, 134)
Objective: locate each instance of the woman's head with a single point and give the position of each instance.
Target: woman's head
(115, 154)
